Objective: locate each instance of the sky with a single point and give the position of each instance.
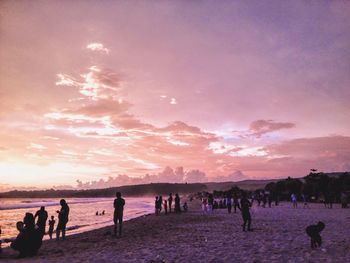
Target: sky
(102, 93)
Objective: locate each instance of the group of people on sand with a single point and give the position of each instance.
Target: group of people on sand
(328, 200)
(31, 233)
(209, 203)
(159, 203)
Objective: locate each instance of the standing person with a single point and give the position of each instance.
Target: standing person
(294, 200)
(245, 205)
(210, 202)
(165, 204)
(259, 198)
(170, 200)
(51, 226)
(235, 202)
(62, 219)
(160, 203)
(177, 203)
(42, 217)
(269, 199)
(229, 203)
(303, 198)
(264, 197)
(205, 205)
(119, 203)
(343, 200)
(156, 205)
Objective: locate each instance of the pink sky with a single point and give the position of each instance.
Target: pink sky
(109, 91)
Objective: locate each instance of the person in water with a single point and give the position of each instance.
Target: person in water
(313, 231)
(51, 226)
(29, 239)
(119, 203)
(245, 205)
(42, 217)
(62, 219)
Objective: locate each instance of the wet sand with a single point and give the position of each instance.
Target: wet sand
(278, 236)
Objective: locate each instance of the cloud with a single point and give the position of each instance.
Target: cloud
(98, 47)
(100, 108)
(168, 175)
(326, 147)
(260, 127)
(96, 84)
(195, 176)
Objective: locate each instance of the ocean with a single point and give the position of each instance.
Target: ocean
(82, 216)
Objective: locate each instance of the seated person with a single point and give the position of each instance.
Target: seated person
(29, 239)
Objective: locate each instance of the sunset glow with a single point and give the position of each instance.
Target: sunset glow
(178, 91)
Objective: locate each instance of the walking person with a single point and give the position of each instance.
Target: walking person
(119, 204)
(245, 206)
(62, 219)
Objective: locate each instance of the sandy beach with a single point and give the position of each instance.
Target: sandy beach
(278, 236)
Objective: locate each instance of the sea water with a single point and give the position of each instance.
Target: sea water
(82, 215)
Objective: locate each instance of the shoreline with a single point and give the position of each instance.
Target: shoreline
(278, 236)
(69, 229)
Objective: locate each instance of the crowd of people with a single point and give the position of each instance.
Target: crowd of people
(243, 204)
(159, 204)
(33, 228)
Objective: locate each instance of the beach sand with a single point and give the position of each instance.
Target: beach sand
(278, 236)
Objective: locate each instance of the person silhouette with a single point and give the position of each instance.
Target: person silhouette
(29, 239)
(229, 203)
(165, 204)
(51, 226)
(160, 200)
(42, 217)
(119, 203)
(177, 203)
(62, 219)
(235, 202)
(156, 205)
(245, 205)
(170, 200)
(185, 207)
(294, 200)
(313, 231)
